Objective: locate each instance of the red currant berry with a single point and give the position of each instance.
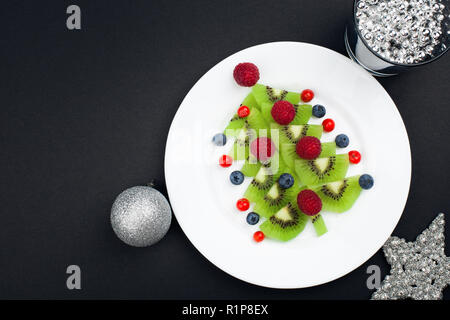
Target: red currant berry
(242, 204)
(225, 161)
(243, 111)
(307, 95)
(258, 236)
(354, 156)
(328, 125)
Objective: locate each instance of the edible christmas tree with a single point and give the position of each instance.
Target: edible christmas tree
(294, 175)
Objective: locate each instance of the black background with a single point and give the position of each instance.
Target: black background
(85, 114)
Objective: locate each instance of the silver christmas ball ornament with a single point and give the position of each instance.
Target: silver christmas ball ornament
(141, 216)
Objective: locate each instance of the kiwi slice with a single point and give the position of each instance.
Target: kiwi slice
(276, 198)
(268, 95)
(260, 184)
(303, 113)
(254, 126)
(293, 133)
(250, 102)
(253, 121)
(285, 224)
(321, 170)
(251, 166)
(266, 176)
(289, 154)
(256, 121)
(236, 122)
(232, 129)
(266, 112)
(319, 224)
(241, 146)
(239, 151)
(328, 149)
(339, 196)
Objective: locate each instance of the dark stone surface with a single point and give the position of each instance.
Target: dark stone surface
(84, 115)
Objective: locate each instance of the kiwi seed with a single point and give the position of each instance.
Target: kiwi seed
(268, 179)
(235, 117)
(289, 135)
(273, 97)
(277, 200)
(283, 223)
(248, 135)
(318, 172)
(330, 193)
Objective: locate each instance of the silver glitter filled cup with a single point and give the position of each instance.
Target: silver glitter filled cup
(387, 37)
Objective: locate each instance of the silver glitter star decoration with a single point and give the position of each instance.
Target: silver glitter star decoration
(420, 270)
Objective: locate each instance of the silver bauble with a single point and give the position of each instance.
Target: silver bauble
(141, 216)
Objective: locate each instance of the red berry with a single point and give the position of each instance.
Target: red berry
(246, 74)
(242, 204)
(354, 156)
(258, 236)
(243, 111)
(225, 161)
(283, 112)
(308, 148)
(262, 148)
(328, 125)
(307, 95)
(309, 202)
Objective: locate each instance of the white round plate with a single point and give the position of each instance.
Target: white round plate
(203, 199)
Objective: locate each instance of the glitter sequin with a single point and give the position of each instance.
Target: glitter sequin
(408, 24)
(420, 270)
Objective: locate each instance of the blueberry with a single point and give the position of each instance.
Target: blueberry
(252, 218)
(366, 181)
(219, 139)
(236, 177)
(318, 111)
(342, 140)
(286, 181)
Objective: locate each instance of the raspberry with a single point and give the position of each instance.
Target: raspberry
(308, 148)
(283, 112)
(246, 74)
(262, 148)
(309, 202)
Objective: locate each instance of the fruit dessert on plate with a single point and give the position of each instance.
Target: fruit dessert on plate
(294, 175)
